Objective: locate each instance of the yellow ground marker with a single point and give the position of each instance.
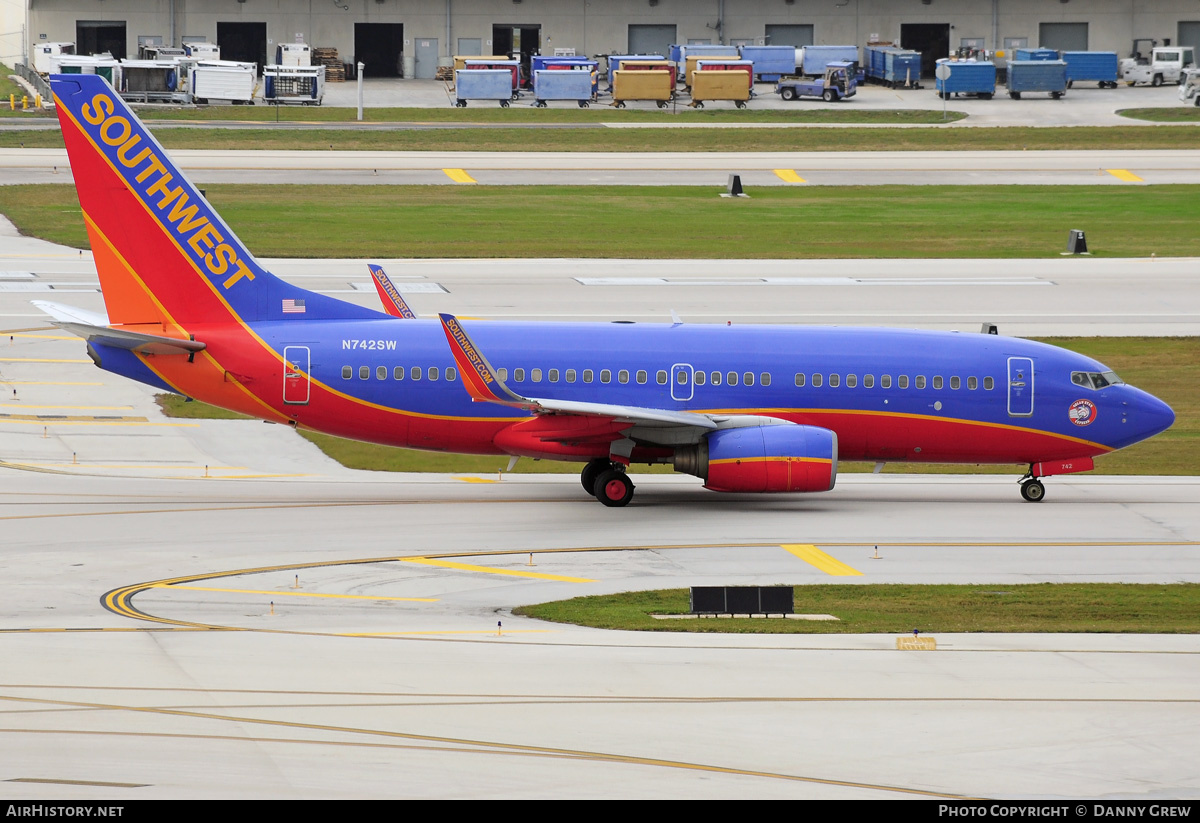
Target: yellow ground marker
(789, 176)
(475, 480)
(459, 176)
(1125, 174)
(811, 554)
(298, 594)
(446, 564)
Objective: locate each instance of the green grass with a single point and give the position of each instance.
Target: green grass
(898, 609)
(1180, 114)
(1168, 368)
(673, 221)
(813, 138)
(9, 88)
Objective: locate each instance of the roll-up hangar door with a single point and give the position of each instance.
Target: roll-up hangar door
(1189, 34)
(651, 39)
(1063, 36)
(794, 35)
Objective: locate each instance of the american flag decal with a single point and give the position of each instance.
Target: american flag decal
(293, 306)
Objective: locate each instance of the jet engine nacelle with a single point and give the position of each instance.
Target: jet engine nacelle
(784, 458)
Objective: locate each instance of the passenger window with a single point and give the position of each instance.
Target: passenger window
(972, 383)
(451, 374)
(570, 375)
(433, 373)
(800, 380)
(623, 376)
(519, 375)
(868, 381)
(765, 378)
(885, 381)
(347, 372)
(834, 381)
(535, 375)
(605, 376)
(954, 382)
(587, 375)
(901, 382)
(398, 373)
(748, 378)
(552, 375)
(381, 372)
(919, 381)
(937, 381)
(641, 376)
(715, 378)
(699, 378)
(660, 377)
(502, 373)
(988, 383)
(415, 372)
(731, 378)
(364, 372)
(816, 380)
(851, 381)
(680, 378)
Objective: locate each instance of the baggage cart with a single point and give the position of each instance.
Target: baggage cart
(1026, 76)
(613, 63)
(691, 60)
(578, 64)
(549, 84)
(44, 52)
(298, 85)
(893, 67)
(1035, 54)
(812, 60)
(107, 67)
(202, 51)
(631, 64)
(223, 80)
(629, 84)
(513, 67)
(718, 64)
(293, 54)
(968, 78)
(1101, 67)
(770, 62)
(724, 84)
(153, 81)
(483, 84)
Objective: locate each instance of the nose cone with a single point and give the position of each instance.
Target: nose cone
(1152, 415)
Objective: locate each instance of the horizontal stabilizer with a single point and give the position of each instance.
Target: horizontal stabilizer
(75, 321)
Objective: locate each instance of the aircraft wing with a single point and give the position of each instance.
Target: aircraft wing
(93, 327)
(662, 426)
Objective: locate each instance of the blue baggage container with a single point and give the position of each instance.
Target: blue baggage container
(1035, 54)
(1099, 66)
(967, 77)
(483, 84)
(678, 54)
(814, 59)
(770, 62)
(556, 84)
(574, 64)
(1037, 75)
(893, 67)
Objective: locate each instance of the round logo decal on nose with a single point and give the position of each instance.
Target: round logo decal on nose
(1082, 412)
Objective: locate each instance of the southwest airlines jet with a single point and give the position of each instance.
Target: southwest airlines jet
(746, 408)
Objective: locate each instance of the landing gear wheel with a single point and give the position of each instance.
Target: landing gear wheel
(614, 488)
(1033, 491)
(787, 93)
(591, 471)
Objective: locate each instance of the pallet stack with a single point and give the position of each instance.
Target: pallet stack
(335, 72)
(445, 73)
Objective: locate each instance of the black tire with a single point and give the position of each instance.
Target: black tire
(699, 104)
(621, 105)
(1055, 95)
(828, 96)
(587, 477)
(1157, 80)
(1033, 491)
(662, 104)
(503, 104)
(583, 104)
(460, 104)
(1015, 95)
(614, 488)
(987, 95)
(1071, 83)
(740, 104)
(787, 93)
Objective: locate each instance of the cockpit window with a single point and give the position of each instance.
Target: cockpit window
(1095, 380)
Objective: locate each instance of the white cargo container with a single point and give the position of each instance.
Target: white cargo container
(202, 51)
(44, 52)
(223, 80)
(293, 54)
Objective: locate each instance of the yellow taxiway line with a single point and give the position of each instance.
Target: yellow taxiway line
(811, 554)
(459, 176)
(295, 594)
(446, 564)
(789, 176)
(1125, 174)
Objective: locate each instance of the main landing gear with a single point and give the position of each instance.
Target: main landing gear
(607, 482)
(1032, 489)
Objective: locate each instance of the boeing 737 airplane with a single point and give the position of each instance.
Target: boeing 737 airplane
(747, 408)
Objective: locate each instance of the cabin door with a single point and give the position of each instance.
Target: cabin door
(296, 365)
(1020, 387)
(682, 381)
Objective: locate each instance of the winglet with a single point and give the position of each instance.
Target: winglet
(479, 377)
(389, 295)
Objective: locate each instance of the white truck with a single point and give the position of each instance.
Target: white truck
(1165, 64)
(1189, 87)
